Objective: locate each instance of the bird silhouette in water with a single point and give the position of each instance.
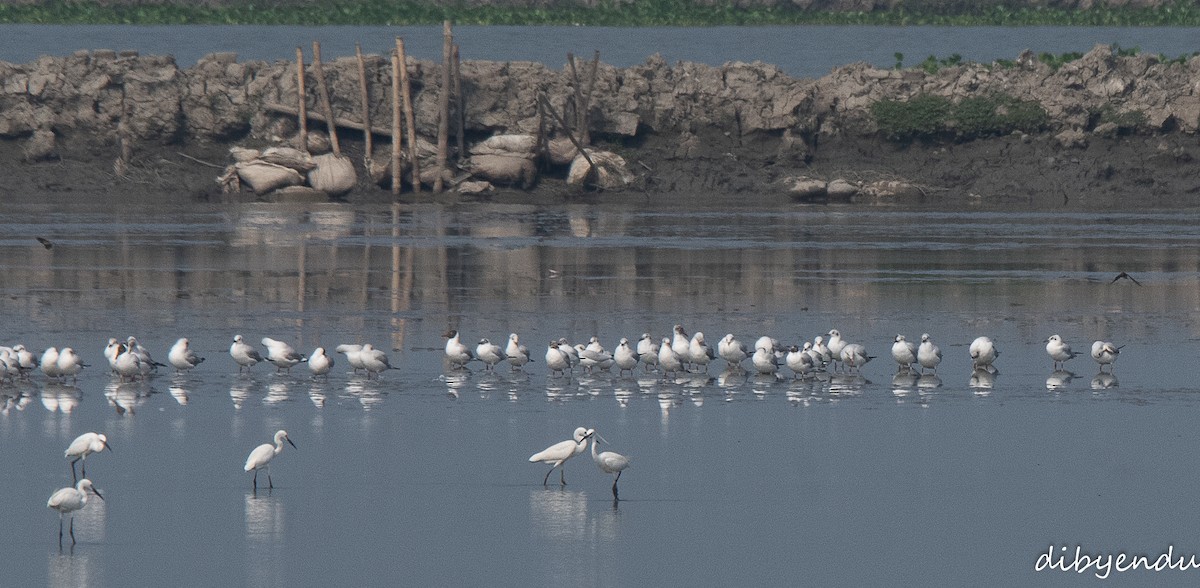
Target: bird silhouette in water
(45, 242)
(1125, 276)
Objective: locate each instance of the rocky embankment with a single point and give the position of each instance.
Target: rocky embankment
(1113, 125)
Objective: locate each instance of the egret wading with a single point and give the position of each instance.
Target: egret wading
(609, 462)
(83, 446)
(260, 458)
(558, 454)
(67, 501)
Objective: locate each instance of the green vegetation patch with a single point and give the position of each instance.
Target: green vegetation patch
(926, 117)
(605, 12)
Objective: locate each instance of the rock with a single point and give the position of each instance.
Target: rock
(1071, 139)
(40, 146)
(893, 190)
(1107, 130)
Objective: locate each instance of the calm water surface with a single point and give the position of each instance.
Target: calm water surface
(807, 51)
(421, 478)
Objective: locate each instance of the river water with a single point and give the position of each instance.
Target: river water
(803, 51)
(421, 477)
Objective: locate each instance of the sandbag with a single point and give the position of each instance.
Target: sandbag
(509, 145)
(333, 174)
(262, 177)
(561, 151)
(502, 169)
(288, 157)
(611, 170)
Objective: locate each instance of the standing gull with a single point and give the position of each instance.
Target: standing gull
(904, 352)
(734, 352)
(1105, 353)
(625, 357)
(242, 353)
(457, 354)
(489, 353)
(517, 354)
(983, 353)
(181, 356)
(928, 354)
(282, 355)
(375, 361)
(351, 351)
(647, 351)
(557, 360)
(1059, 351)
(319, 363)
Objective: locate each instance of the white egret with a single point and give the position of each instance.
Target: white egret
(260, 458)
(83, 446)
(68, 500)
(608, 461)
(558, 454)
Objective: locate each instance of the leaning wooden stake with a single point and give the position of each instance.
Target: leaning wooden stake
(325, 104)
(301, 107)
(396, 113)
(365, 93)
(578, 88)
(563, 123)
(585, 117)
(460, 107)
(409, 117)
(443, 136)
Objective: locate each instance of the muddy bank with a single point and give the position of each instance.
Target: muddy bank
(745, 129)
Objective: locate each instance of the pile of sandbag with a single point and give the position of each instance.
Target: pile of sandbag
(505, 159)
(276, 168)
(611, 171)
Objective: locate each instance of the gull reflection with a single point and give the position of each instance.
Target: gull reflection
(847, 384)
(983, 379)
(61, 397)
(277, 392)
(623, 394)
(126, 397)
(556, 387)
(241, 389)
(1104, 380)
(316, 393)
(455, 381)
(929, 381)
(180, 394)
(1059, 379)
(488, 383)
(366, 392)
(516, 383)
(904, 382)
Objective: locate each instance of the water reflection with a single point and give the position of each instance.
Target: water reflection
(1104, 380)
(126, 397)
(983, 380)
(58, 397)
(277, 392)
(264, 518)
(71, 570)
(1059, 379)
(368, 393)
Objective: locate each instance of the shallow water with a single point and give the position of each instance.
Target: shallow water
(421, 477)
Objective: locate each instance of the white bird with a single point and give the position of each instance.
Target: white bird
(375, 361)
(1059, 351)
(67, 501)
(242, 353)
(591, 359)
(25, 358)
(83, 446)
(625, 357)
(854, 356)
(456, 353)
(595, 346)
(69, 364)
(983, 353)
(489, 353)
(699, 353)
(1105, 353)
(181, 357)
(904, 352)
(572, 353)
(127, 363)
(557, 360)
(319, 363)
(351, 351)
(609, 462)
(822, 351)
(647, 351)
(50, 362)
(836, 344)
(282, 355)
(668, 359)
(517, 354)
(928, 354)
(148, 364)
(260, 458)
(734, 352)
(558, 454)
(765, 361)
(681, 344)
(110, 353)
(799, 362)
(813, 355)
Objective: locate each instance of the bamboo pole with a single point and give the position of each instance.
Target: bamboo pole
(340, 121)
(585, 117)
(325, 104)
(563, 123)
(409, 116)
(302, 105)
(365, 93)
(460, 107)
(396, 113)
(578, 88)
(443, 136)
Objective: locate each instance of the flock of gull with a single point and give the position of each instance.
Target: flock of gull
(129, 360)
